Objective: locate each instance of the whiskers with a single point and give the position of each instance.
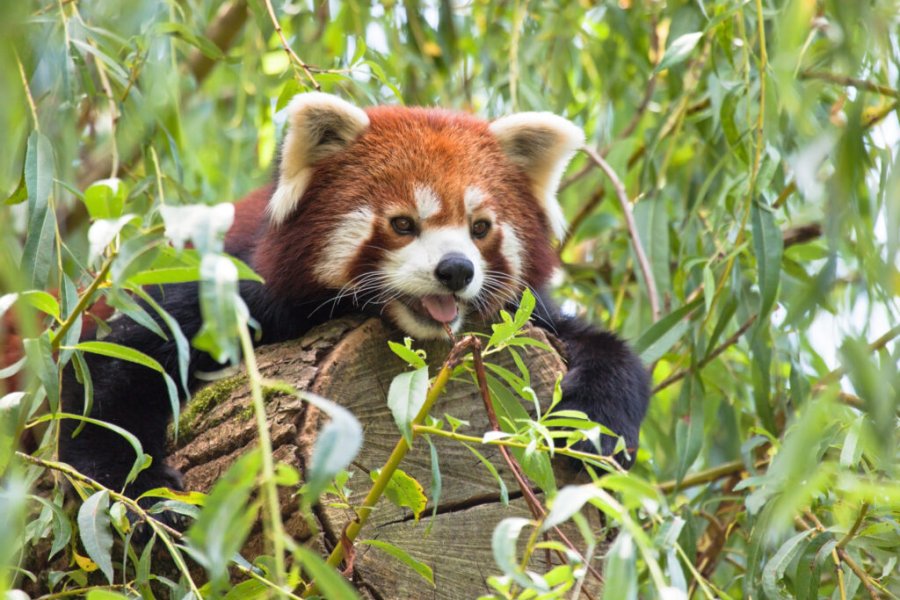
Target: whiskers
(366, 284)
(503, 289)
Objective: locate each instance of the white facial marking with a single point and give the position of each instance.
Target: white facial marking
(343, 246)
(427, 202)
(473, 198)
(411, 268)
(511, 247)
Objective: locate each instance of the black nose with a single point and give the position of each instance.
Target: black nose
(455, 271)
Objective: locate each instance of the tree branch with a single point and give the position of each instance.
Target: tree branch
(644, 264)
(227, 24)
(860, 84)
(292, 56)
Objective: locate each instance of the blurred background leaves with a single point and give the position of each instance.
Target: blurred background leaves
(758, 145)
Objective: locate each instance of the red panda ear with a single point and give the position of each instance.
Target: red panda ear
(542, 144)
(318, 125)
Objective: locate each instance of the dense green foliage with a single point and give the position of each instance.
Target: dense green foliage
(757, 142)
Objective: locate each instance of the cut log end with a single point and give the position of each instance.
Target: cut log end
(349, 362)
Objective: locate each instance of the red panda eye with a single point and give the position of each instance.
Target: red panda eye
(480, 229)
(403, 225)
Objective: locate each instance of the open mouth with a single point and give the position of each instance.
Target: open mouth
(434, 308)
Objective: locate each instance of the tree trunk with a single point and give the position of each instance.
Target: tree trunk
(348, 361)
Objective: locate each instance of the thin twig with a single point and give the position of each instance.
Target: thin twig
(292, 56)
(731, 341)
(707, 476)
(860, 84)
(533, 503)
(644, 264)
(31, 105)
(839, 372)
(848, 537)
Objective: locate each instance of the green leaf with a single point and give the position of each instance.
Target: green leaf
(42, 301)
(199, 41)
(690, 426)
(61, 526)
(136, 356)
(105, 199)
(568, 501)
(663, 334)
(39, 353)
(37, 256)
(773, 572)
(503, 545)
(224, 312)
(336, 446)
(679, 50)
(419, 567)
(404, 491)
(436, 481)
(415, 358)
(504, 492)
(768, 246)
(227, 517)
(95, 531)
(329, 582)
(406, 396)
(652, 220)
(620, 572)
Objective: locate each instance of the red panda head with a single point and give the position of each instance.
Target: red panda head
(431, 215)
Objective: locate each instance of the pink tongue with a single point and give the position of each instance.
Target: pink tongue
(441, 308)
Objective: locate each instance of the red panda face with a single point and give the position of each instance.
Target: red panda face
(435, 218)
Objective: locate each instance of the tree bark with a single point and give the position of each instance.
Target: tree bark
(348, 361)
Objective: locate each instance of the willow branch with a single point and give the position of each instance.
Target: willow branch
(644, 264)
(292, 56)
(731, 341)
(860, 84)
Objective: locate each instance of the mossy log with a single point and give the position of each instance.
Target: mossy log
(348, 361)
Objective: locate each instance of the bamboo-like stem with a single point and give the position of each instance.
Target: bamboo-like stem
(83, 302)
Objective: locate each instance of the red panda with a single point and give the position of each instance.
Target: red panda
(425, 217)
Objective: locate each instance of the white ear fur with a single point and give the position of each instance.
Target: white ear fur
(542, 144)
(318, 125)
